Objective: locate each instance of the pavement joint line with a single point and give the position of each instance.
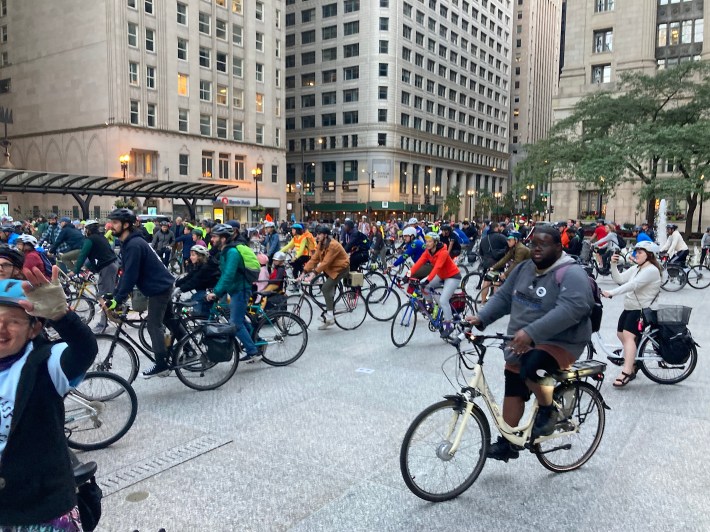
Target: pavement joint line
(149, 467)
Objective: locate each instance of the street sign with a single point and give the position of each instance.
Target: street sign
(309, 193)
(385, 204)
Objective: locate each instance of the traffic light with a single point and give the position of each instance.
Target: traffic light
(372, 183)
(552, 209)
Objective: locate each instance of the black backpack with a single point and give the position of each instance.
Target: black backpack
(622, 241)
(595, 316)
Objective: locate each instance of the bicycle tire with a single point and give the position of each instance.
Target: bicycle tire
(373, 280)
(436, 436)
(278, 329)
(117, 356)
(82, 433)
(699, 277)
(580, 412)
(471, 282)
(192, 366)
(315, 287)
(656, 370)
(383, 303)
(350, 309)
(302, 309)
(403, 325)
(144, 337)
(84, 307)
(673, 278)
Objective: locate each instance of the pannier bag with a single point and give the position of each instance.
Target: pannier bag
(458, 302)
(139, 303)
(219, 340)
(275, 302)
(674, 343)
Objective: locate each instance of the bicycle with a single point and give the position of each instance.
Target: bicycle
(349, 309)
(445, 447)
(99, 412)
(405, 320)
(673, 275)
(649, 359)
(384, 301)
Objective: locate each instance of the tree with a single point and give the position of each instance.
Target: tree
(616, 137)
(452, 203)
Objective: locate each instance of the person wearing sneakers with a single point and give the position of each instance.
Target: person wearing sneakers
(414, 249)
(233, 281)
(332, 259)
(271, 241)
(549, 300)
(203, 275)
(299, 244)
(444, 273)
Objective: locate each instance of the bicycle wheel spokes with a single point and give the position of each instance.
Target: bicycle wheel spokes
(583, 429)
(427, 467)
(673, 279)
(116, 356)
(403, 324)
(83, 307)
(281, 338)
(383, 303)
(194, 368)
(300, 307)
(350, 309)
(104, 411)
(654, 367)
(699, 276)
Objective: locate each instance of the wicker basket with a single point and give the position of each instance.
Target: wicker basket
(356, 279)
(673, 315)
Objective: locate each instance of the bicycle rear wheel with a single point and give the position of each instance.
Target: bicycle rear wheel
(195, 370)
(471, 283)
(281, 338)
(585, 424)
(301, 308)
(99, 412)
(84, 307)
(403, 324)
(699, 277)
(653, 366)
(373, 280)
(673, 278)
(427, 468)
(350, 309)
(383, 303)
(117, 356)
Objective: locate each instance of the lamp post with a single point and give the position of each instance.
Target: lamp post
(530, 189)
(436, 189)
(371, 185)
(256, 175)
(497, 196)
(471, 203)
(299, 190)
(124, 160)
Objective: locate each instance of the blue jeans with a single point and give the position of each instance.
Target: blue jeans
(201, 305)
(238, 310)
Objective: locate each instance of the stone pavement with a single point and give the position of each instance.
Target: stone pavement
(315, 446)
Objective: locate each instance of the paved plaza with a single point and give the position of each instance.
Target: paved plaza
(315, 447)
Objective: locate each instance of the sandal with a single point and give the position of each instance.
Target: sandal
(620, 382)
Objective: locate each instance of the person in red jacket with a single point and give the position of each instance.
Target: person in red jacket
(444, 273)
(28, 244)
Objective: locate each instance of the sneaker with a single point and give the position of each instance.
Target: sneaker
(326, 325)
(158, 370)
(249, 359)
(446, 329)
(99, 329)
(502, 450)
(544, 422)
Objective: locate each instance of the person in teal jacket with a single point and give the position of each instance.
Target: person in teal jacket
(233, 282)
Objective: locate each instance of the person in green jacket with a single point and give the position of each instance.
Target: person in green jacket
(233, 282)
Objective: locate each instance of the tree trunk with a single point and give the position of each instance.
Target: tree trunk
(692, 200)
(651, 212)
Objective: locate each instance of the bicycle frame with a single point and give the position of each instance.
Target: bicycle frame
(601, 345)
(85, 407)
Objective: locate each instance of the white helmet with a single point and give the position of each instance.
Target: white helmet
(409, 231)
(28, 239)
(280, 255)
(269, 224)
(648, 246)
(412, 221)
(87, 223)
(200, 250)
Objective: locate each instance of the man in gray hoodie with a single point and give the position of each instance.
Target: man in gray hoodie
(549, 299)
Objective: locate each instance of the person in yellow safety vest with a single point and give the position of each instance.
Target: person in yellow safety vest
(150, 227)
(299, 243)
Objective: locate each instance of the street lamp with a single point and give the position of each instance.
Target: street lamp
(124, 160)
(497, 196)
(299, 189)
(471, 203)
(436, 189)
(370, 187)
(530, 189)
(256, 175)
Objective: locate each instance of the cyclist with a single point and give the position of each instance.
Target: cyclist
(444, 273)
(463, 239)
(332, 259)
(299, 243)
(704, 245)
(163, 241)
(11, 262)
(642, 284)
(8, 235)
(143, 269)
(414, 223)
(649, 231)
(574, 242)
(675, 246)
(203, 275)
(51, 233)
(516, 254)
(233, 281)
(640, 235)
(74, 241)
(187, 242)
(493, 246)
(364, 226)
(607, 246)
(271, 241)
(600, 232)
(38, 490)
(451, 240)
(28, 244)
(414, 249)
(357, 245)
(379, 248)
(278, 273)
(549, 312)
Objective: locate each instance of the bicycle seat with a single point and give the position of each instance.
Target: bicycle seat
(267, 294)
(580, 370)
(83, 472)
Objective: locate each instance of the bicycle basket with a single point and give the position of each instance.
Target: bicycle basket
(356, 279)
(673, 315)
(458, 302)
(218, 338)
(139, 302)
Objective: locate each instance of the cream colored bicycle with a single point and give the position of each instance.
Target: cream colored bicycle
(445, 447)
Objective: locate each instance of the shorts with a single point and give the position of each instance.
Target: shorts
(629, 321)
(530, 363)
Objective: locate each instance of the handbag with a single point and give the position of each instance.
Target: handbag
(89, 497)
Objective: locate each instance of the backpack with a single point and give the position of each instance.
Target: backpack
(310, 242)
(595, 316)
(622, 241)
(585, 255)
(250, 264)
(674, 343)
(47, 265)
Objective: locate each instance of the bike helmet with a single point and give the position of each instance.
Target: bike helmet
(281, 256)
(88, 223)
(200, 250)
(323, 230)
(263, 259)
(412, 221)
(52, 216)
(223, 230)
(11, 293)
(7, 229)
(432, 236)
(123, 215)
(349, 224)
(297, 226)
(409, 231)
(28, 239)
(671, 226)
(601, 221)
(65, 219)
(11, 254)
(234, 223)
(164, 223)
(199, 232)
(514, 234)
(649, 247)
(638, 229)
(269, 224)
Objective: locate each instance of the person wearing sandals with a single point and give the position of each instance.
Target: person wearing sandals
(641, 283)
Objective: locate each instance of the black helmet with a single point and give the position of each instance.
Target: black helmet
(349, 224)
(11, 254)
(445, 228)
(164, 223)
(222, 230)
(671, 226)
(123, 215)
(638, 229)
(323, 230)
(7, 228)
(199, 232)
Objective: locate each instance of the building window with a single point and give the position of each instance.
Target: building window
(330, 10)
(308, 37)
(382, 139)
(601, 73)
(237, 35)
(383, 69)
(182, 13)
(223, 165)
(237, 67)
(238, 98)
(351, 28)
(259, 41)
(384, 24)
(205, 125)
(382, 115)
(222, 128)
(205, 54)
(236, 6)
(148, 6)
(259, 73)
(183, 120)
(133, 73)
(308, 15)
(259, 11)
(150, 40)
(351, 73)
(221, 97)
(150, 113)
(182, 49)
(384, 46)
(221, 61)
(351, 50)
(274, 173)
(132, 4)
(308, 58)
(350, 117)
(237, 131)
(259, 102)
(183, 85)
(328, 119)
(220, 29)
(150, 77)
(351, 95)
(350, 6)
(207, 162)
(329, 98)
(184, 164)
(259, 133)
(604, 5)
(382, 92)
(4, 59)
(239, 167)
(205, 90)
(329, 54)
(204, 23)
(132, 34)
(603, 41)
(308, 80)
(135, 112)
(329, 32)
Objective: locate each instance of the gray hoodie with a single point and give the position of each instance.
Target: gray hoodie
(548, 311)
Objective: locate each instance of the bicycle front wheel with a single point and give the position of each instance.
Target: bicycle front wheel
(382, 303)
(84, 307)
(427, 467)
(117, 356)
(699, 277)
(673, 278)
(281, 338)
(301, 307)
(99, 412)
(350, 309)
(656, 369)
(403, 325)
(582, 429)
(195, 369)
(471, 283)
